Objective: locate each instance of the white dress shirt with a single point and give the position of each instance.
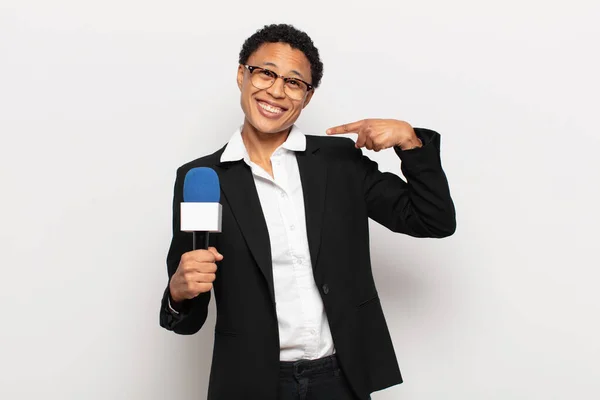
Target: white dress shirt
(304, 331)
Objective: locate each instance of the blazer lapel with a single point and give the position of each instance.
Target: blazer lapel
(313, 175)
(237, 184)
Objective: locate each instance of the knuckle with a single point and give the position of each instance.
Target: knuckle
(187, 268)
(181, 270)
(189, 275)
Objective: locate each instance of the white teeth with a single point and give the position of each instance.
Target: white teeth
(270, 108)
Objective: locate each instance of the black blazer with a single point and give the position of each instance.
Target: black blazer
(342, 189)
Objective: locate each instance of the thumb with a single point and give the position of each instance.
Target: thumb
(217, 255)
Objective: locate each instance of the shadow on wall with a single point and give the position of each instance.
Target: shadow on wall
(399, 285)
(415, 279)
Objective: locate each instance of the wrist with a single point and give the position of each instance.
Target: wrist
(409, 139)
(174, 299)
(410, 144)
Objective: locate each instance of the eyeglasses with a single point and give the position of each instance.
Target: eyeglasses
(263, 78)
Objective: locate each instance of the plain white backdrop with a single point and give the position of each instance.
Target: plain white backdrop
(100, 102)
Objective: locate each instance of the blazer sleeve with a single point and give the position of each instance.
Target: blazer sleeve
(421, 206)
(192, 313)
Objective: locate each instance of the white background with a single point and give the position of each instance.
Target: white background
(100, 102)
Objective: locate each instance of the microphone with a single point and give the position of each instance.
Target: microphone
(200, 209)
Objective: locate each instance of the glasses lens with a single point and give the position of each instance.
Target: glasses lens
(295, 89)
(262, 78)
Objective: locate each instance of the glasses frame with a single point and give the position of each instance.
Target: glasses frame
(252, 68)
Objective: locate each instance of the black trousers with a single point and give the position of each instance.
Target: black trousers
(320, 379)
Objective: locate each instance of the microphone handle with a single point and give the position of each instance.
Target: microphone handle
(204, 244)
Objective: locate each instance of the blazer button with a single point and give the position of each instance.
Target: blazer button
(325, 288)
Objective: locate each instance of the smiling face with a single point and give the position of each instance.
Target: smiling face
(271, 110)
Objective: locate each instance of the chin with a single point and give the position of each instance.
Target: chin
(266, 126)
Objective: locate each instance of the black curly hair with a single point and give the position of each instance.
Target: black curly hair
(284, 33)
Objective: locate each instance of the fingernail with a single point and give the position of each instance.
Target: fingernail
(328, 131)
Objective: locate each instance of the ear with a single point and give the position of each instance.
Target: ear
(308, 97)
(240, 76)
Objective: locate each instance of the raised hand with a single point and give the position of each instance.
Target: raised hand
(379, 134)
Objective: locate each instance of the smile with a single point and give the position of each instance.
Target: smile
(269, 109)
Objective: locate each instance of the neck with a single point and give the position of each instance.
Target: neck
(260, 145)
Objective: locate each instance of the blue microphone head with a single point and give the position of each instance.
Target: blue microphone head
(201, 185)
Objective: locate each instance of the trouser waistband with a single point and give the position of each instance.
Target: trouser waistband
(305, 368)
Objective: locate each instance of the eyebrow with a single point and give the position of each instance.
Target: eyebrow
(292, 71)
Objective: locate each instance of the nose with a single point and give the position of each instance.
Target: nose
(276, 90)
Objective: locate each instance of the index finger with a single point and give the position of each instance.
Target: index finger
(201, 255)
(352, 127)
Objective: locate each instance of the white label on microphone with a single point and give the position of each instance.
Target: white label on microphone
(201, 217)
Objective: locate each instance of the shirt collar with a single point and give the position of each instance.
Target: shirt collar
(236, 150)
